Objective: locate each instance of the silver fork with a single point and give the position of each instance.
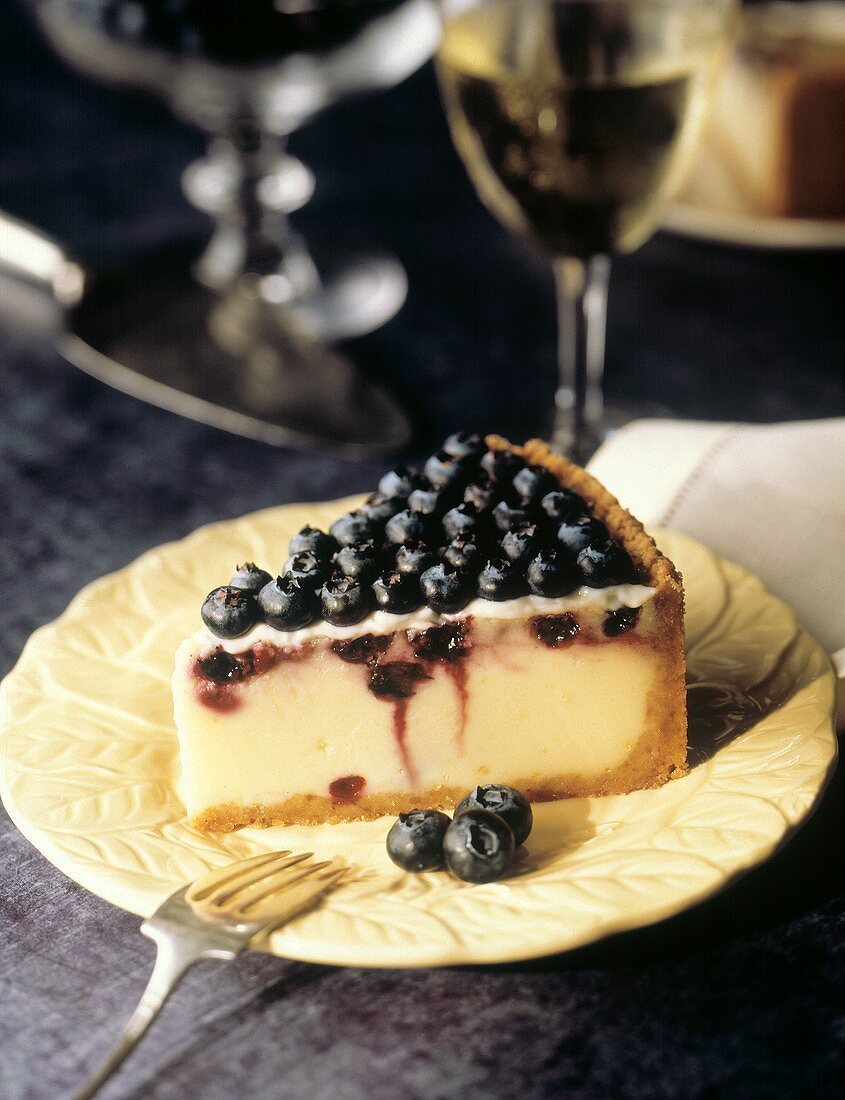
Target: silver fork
(217, 917)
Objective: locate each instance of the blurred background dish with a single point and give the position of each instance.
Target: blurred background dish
(772, 168)
(244, 327)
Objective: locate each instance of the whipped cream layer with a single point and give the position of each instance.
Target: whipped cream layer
(612, 598)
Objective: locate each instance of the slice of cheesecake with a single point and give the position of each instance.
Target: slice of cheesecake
(499, 618)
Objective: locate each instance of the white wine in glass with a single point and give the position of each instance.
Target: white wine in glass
(577, 121)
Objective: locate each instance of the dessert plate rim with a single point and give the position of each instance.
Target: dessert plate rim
(87, 775)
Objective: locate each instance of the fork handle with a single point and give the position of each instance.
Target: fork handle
(173, 958)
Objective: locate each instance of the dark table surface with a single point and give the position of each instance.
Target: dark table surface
(740, 997)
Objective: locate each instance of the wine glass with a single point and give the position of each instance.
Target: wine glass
(250, 73)
(577, 121)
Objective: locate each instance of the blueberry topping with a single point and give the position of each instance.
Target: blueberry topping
(318, 542)
(500, 579)
(430, 501)
(287, 604)
(463, 553)
(577, 533)
(363, 650)
(396, 679)
(229, 612)
(407, 527)
(482, 493)
(379, 508)
(554, 631)
(399, 482)
(415, 841)
(464, 445)
(603, 563)
(446, 589)
(444, 470)
(360, 560)
(617, 622)
(414, 560)
(506, 516)
(563, 504)
(345, 601)
(307, 568)
(354, 527)
(502, 465)
(532, 483)
(521, 544)
(397, 592)
(250, 577)
(478, 846)
(506, 802)
(552, 573)
(461, 521)
(447, 642)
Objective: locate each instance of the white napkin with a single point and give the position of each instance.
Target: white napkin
(770, 497)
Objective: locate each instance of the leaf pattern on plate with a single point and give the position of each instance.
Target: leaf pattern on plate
(90, 772)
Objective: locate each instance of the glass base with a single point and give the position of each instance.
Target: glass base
(239, 362)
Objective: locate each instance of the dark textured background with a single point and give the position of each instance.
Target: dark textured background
(742, 997)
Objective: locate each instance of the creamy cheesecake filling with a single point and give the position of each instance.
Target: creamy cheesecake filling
(612, 598)
(447, 705)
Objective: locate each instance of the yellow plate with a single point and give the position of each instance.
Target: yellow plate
(90, 768)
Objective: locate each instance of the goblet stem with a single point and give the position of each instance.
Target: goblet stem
(582, 313)
(254, 247)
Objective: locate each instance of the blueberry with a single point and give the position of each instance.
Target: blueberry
(415, 840)
(399, 482)
(379, 508)
(307, 568)
(464, 445)
(507, 803)
(506, 516)
(413, 561)
(563, 504)
(521, 544)
(463, 553)
(532, 483)
(250, 577)
(354, 527)
(229, 612)
(482, 493)
(345, 601)
(462, 520)
(500, 579)
(318, 542)
(287, 604)
(577, 533)
(552, 573)
(478, 846)
(603, 563)
(444, 470)
(430, 501)
(360, 560)
(446, 589)
(397, 592)
(502, 465)
(407, 527)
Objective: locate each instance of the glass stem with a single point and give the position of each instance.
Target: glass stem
(254, 245)
(582, 315)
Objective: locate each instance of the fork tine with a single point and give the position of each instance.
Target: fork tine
(295, 897)
(276, 884)
(219, 876)
(251, 875)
